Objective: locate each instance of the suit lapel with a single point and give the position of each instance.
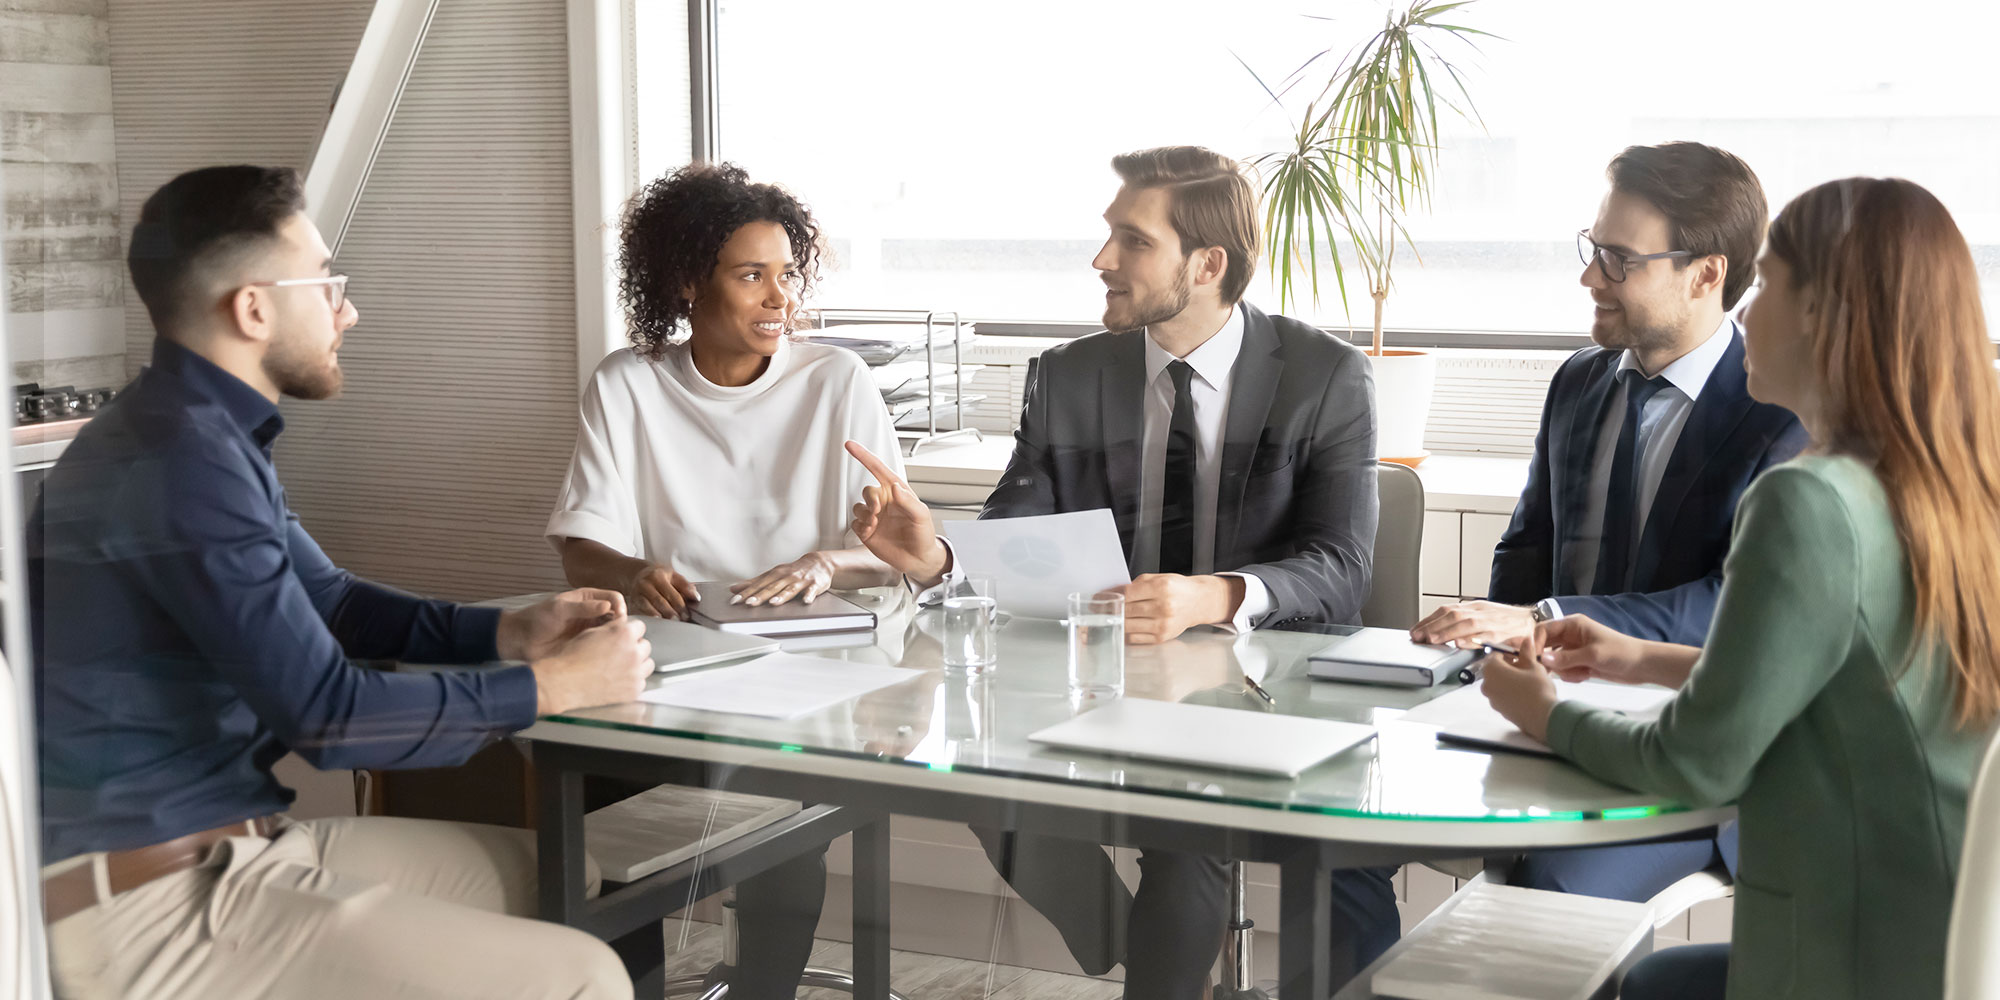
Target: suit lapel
(1252, 387)
(1121, 393)
(1586, 422)
(1721, 406)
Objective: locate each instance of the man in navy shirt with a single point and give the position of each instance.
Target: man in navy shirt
(188, 633)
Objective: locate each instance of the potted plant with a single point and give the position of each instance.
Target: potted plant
(1364, 156)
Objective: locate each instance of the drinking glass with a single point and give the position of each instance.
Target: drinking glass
(1096, 645)
(971, 624)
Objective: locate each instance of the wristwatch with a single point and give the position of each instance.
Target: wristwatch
(1545, 610)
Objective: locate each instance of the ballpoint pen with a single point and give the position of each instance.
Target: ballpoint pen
(1259, 691)
(1471, 671)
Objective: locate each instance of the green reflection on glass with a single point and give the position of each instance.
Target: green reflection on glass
(940, 767)
(791, 748)
(1632, 812)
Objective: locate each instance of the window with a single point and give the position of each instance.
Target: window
(958, 156)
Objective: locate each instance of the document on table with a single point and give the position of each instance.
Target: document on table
(1465, 716)
(1037, 562)
(777, 686)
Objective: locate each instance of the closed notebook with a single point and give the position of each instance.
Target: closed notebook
(826, 613)
(1387, 656)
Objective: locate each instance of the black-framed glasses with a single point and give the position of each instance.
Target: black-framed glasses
(336, 287)
(1614, 261)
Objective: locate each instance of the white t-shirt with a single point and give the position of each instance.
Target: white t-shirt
(723, 482)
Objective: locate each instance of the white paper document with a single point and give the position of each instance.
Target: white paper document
(777, 686)
(1037, 562)
(1465, 716)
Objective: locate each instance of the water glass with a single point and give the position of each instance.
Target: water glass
(1096, 645)
(971, 632)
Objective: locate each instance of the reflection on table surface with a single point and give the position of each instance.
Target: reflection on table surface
(944, 720)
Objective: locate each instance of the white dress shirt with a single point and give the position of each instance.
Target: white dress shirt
(1660, 424)
(1213, 363)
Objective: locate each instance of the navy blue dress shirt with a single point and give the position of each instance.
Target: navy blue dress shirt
(188, 632)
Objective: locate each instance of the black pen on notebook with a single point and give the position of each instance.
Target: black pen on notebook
(1471, 671)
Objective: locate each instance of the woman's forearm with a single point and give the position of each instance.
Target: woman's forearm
(1668, 664)
(857, 567)
(593, 564)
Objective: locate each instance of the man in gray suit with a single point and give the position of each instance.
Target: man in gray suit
(1236, 451)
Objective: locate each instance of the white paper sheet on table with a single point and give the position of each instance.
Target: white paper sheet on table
(1037, 562)
(777, 686)
(1465, 716)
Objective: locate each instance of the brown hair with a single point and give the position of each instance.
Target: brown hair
(1212, 204)
(1711, 199)
(1899, 339)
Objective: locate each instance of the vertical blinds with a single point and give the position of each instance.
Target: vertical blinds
(438, 466)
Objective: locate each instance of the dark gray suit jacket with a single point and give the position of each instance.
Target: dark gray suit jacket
(1296, 504)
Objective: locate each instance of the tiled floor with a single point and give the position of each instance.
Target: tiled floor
(694, 947)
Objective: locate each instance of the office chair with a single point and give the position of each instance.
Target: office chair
(1392, 603)
(1972, 947)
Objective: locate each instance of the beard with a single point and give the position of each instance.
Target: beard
(302, 372)
(1645, 330)
(1137, 314)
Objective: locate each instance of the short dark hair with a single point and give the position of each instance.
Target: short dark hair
(673, 234)
(200, 219)
(1712, 201)
(1213, 204)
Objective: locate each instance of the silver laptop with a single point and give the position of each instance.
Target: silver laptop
(684, 645)
(1206, 736)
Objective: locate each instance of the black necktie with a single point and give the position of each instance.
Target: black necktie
(1177, 494)
(1621, 516)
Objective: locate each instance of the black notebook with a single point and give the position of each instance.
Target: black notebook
(827, 613)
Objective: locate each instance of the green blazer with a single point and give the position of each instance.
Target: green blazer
(1849, 774)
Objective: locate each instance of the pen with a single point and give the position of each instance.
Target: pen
(1471, 671)
(1259, 691)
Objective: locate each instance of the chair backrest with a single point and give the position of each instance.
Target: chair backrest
(1399, 540)
(1972, 950)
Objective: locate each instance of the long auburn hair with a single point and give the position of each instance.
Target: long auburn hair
(1899, 338)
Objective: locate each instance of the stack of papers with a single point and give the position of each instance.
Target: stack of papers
(1465, 716)
(778, 686)
(881, 343)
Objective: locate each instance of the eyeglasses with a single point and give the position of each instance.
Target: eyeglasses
(1615, 262)
(336, 287)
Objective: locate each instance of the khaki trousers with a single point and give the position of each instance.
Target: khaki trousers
(372, 907)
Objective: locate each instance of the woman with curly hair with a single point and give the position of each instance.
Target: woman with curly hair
(711, 449)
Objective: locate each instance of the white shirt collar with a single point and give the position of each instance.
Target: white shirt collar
(1690, 372)
(1213, 360)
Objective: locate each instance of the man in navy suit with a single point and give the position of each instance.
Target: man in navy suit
(1646, 443)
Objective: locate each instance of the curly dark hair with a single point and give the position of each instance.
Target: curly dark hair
(674, 229)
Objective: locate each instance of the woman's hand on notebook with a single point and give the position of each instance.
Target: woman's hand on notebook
(806, 577)
(658, 590)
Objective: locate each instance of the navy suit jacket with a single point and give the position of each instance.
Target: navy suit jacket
(1729, 438)
(1296, 505)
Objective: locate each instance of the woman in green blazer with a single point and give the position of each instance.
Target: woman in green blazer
(1852, 673)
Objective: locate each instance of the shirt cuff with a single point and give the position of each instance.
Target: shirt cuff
(1550, 609)
(513, 697)
(953, 571)
(591, 527)
(475, 634)
(1256, 604)
(1563, 721)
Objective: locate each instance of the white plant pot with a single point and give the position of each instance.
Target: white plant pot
(1403, 383)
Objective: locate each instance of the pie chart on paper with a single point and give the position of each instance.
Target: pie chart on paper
(1032, 556)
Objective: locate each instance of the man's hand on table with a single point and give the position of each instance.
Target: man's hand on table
(540, 629)
(1470, 623)
(605, 665)
(1160, 606)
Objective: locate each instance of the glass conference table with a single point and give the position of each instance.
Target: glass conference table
(945, 746)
